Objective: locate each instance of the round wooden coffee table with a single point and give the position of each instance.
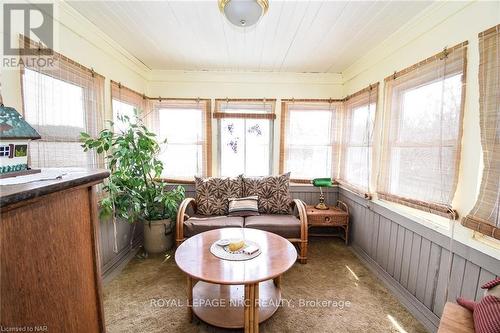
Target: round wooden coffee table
(235, 294)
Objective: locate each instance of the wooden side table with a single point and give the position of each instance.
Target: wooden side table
(332, 217)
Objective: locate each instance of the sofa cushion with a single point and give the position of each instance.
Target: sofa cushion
(287, 226)
(273, 192)
(199, 223)
(212, 194)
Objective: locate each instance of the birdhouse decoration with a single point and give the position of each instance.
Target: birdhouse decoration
(15, 135)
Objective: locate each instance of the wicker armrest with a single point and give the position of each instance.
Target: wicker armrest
(181, 217)
(342, 205)
(301, 209)
(302, 215)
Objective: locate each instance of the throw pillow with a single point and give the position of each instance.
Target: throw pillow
(486, 312)
(492, 287)
(486, 315)
(212, 194)
(247, 206)
(273, 192)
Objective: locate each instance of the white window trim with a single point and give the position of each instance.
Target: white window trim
(219, 147)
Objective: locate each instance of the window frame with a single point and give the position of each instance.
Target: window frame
(219, 146)
(335, 145)
(125, 95)
(151, 120)
(115, 114)
(93, 159)
(397, 143)
(4, 150)
(394, 92)
(220, 114)
(363, 98)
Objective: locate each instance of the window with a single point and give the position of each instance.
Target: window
(245, 147)
(309, 141)
(358, 121)
(124, 102)
(120, 110)
(485, 216)
(59, 106)
(245, 136)
(424, 108)
(185, 125)
(4, 151)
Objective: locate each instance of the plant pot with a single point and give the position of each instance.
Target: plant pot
(158, 236)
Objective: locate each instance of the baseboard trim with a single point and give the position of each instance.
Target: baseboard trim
(112, 268)
(426, 317)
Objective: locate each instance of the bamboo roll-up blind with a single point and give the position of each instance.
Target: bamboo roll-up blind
(72, 67)
(423, 122)
(358, 118)
(485, 216)
(60, 101)
(310, 137)
(126, 95)
(198, 109)
(245, 108)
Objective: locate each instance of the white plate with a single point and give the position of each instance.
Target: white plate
(223, 242)
(223, 252)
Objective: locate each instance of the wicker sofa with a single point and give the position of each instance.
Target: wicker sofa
(199, 214)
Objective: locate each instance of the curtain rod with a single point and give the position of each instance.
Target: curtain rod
(160, 99)
(489, 31)
(328, 100)
(119, 85)
(28, 41)
(245, 99)
(440, 55)
(370, 87)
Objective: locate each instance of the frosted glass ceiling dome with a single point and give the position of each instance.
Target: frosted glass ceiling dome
(243, 13)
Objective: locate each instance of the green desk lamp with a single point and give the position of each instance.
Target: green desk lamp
(321, 182)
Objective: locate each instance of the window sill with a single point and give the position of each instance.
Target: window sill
(432, 221)
(443, 226)
(178, 181)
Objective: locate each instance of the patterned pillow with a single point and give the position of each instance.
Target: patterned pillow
(273, 192)
(212, 194)
(247, 206)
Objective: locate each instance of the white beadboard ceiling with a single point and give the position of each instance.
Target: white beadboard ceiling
(294, 36)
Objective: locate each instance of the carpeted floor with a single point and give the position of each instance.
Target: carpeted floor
(136, 300)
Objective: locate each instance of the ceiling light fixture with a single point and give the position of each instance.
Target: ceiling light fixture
(243, 13)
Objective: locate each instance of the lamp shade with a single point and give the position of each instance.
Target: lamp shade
(322, 182)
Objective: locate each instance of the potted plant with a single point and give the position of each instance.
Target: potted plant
(135, 193)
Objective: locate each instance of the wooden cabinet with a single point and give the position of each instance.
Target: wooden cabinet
(331, 217)
(50, 271)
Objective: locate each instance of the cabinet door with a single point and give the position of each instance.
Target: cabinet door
(48, 264)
